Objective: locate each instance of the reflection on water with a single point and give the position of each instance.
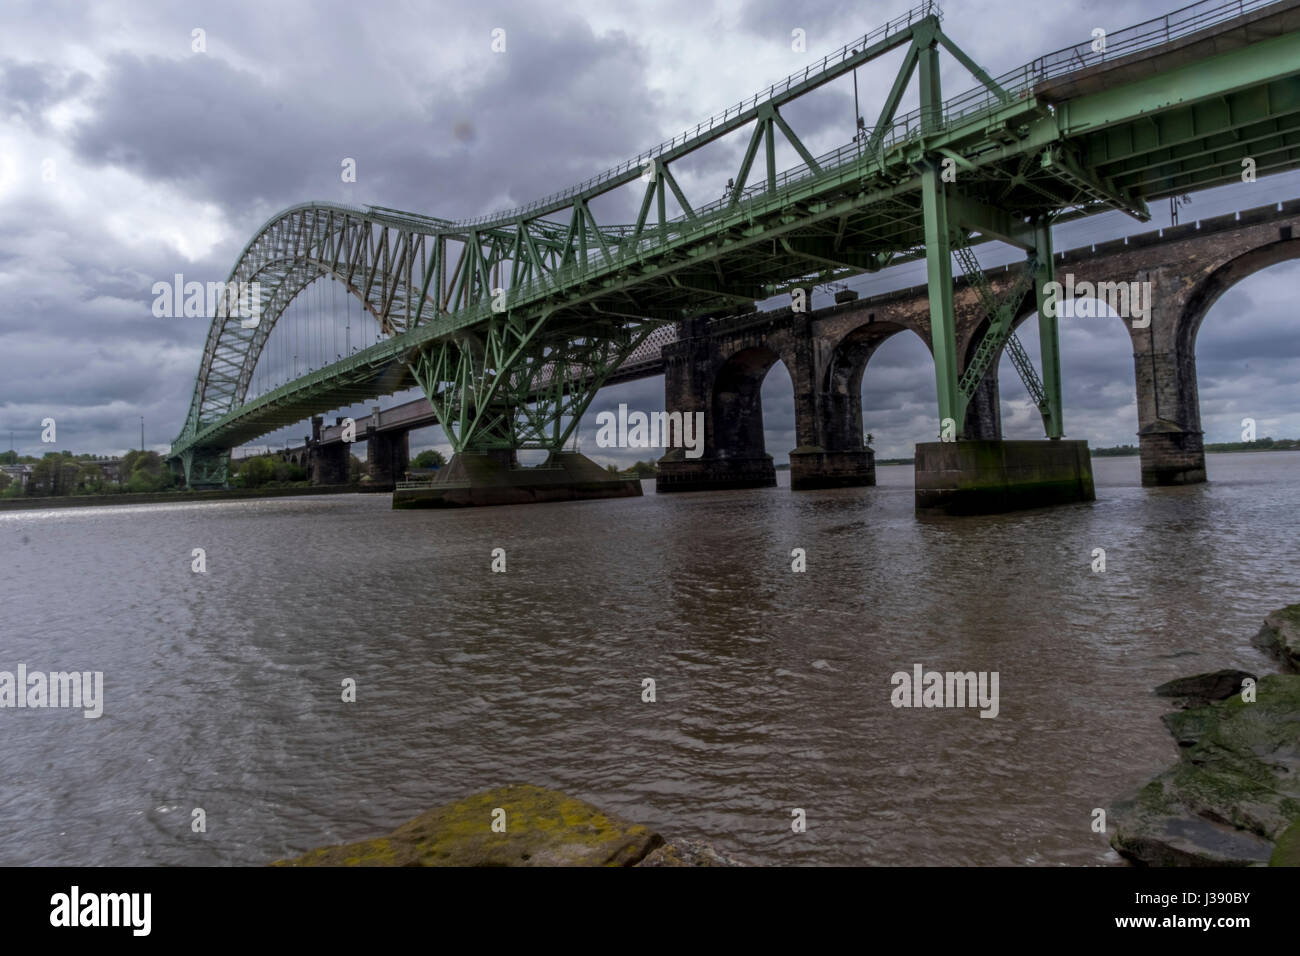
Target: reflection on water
(223, 689)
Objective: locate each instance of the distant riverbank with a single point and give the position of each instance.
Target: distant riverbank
(164, 497)
(1215, 448)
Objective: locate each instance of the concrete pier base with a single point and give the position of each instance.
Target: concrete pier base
(679, 473)
(387, 456)
(1171, 455)
(988, 476)
(817, 468)
(495, 478)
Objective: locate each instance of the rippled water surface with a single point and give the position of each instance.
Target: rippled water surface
(222, 690)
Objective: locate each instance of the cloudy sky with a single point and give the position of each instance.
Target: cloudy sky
(126, 156)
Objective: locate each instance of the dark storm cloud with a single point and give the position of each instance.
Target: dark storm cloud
(200, 124)
(559, 105)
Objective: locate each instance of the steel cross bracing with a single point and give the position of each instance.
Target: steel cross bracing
(1072, 133)
(1002, 312)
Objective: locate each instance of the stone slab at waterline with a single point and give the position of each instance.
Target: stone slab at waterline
(542, 828)
(1235, 791)
(474, 479)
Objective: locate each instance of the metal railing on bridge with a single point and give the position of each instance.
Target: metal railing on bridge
(926, 9)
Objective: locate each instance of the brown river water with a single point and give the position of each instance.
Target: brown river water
(222, 689)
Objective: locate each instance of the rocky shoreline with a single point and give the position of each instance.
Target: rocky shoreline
(1233, 798)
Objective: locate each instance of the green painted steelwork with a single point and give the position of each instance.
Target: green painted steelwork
(512, 320)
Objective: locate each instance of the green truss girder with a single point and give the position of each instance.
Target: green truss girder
(1002, 312)
(516, 384)
(205, 467)
(431, 282)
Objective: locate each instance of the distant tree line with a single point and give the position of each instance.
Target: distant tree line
(61, 473)
(58, 474)
(272, 471)
(1261, 444)
(429, 458)
(641, 469)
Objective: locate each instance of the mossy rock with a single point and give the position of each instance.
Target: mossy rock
(1234, 792)
(542, 828)
(1287, 852)
(1280, 637)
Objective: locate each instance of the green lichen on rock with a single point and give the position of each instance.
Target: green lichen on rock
(542, 828)
(1280, 637)
(1234, 791)
(1287, 852)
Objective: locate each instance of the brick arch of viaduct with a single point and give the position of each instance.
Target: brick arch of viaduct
(718, 365)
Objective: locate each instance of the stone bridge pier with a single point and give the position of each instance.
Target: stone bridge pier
(704, 374)
(1169, 410)
(718, 366)
(329, 463)
(387, 455)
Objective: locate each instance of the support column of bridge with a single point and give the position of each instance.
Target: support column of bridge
(519, 384)
(387, 456)
(732, 455)
(962, 474)
(1169, 410)
(328, 464)
(828, 416)
(984, 413)
(206, 468)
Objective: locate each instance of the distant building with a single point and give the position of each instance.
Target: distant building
(19, 473)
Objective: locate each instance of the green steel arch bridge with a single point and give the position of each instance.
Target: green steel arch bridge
(511, 322)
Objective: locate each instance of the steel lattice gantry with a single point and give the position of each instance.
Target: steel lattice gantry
(510, 322)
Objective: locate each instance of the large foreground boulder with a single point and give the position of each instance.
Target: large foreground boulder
(1234, 792)
(541, 828)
